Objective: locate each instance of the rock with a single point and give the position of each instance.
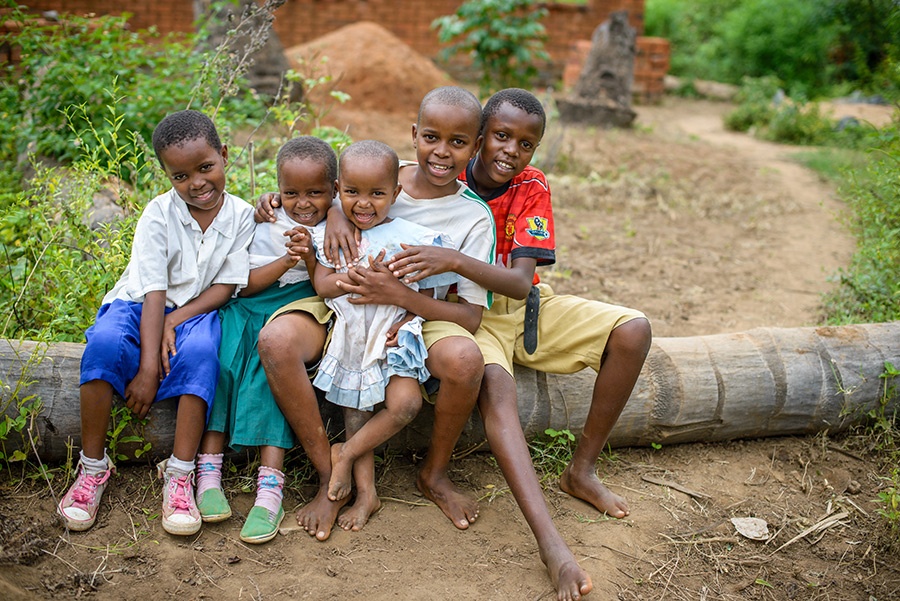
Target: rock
(715, 90)
(602, 94)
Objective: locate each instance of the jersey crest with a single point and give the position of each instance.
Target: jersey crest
(510, 229)
(537, 228)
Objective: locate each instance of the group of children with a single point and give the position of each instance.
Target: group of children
(423, 272)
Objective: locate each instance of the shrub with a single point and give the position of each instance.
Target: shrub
(812, 46)
(869, 290)
(504, 37)
(784, 38)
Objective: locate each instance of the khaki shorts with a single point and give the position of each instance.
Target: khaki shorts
(316, 308)
(313, 305)
(572, 332)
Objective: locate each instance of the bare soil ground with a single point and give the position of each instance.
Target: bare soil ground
(704, 230)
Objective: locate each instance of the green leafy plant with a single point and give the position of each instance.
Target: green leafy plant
(768, 113)
(18, 410)
(88, 94)
(505, 39)
(126, 433)
(887, 440)
(814, 47)
(868, 289)
(552, 452)
(61, 244)
(73, 64)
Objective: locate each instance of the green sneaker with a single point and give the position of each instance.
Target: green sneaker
(260, 527)
(213, 505)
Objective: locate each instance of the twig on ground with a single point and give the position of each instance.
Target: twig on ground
(405, 502)
(824, 524)
(468, 451)
(714, 539)
(674, 486)
(837, 449)
(691, 533)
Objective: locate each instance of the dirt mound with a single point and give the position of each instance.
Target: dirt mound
(379, 72)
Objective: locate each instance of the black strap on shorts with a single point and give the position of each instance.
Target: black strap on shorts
(532, 309)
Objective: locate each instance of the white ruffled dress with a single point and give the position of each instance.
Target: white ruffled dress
(357, 364)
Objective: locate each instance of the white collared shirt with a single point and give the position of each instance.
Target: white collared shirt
(171, 253)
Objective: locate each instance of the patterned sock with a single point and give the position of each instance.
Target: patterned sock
(179, 467)
(269, 487)
(209, 472)
(94, 467)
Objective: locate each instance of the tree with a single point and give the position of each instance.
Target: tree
(504, 37)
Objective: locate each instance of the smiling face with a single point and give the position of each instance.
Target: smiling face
(510, 138)
(306, 192)
(368, 188)
(445, 137)
(197, 172)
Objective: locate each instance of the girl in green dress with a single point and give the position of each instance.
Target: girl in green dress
(244, 413)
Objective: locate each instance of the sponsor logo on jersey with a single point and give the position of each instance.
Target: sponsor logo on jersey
(537, 228)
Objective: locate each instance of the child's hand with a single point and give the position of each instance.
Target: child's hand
(167, 347)
(395, 328)
(374, 285)
(264, 207)
(299, 245)
(141, 391)
(414, 263)
(392, 334)
(341, 235)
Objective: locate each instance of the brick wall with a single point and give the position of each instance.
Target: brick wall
(166, 15)
(299, 21)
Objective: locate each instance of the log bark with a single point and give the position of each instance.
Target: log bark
(763, 382)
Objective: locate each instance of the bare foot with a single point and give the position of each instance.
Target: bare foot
(457, 506)
(571, 582)
(341, 474)
(357, 515)
(317, 517)
(589, 488)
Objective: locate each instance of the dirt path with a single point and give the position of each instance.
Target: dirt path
(814, 244)
(737, 235)
(706, 232)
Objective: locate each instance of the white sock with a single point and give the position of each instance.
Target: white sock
(94, 467)
(179, 467)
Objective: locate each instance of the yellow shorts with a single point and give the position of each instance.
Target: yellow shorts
(313, 305)
(432, 331)
(572, 332)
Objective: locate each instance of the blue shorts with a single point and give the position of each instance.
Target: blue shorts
(113, 352)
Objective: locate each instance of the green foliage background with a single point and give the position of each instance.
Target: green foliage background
(78, 111)
(505, 39)
(813, 46)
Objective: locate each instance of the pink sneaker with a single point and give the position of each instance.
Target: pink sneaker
(179, 510)
(79, 507)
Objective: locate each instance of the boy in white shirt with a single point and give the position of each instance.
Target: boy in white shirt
(157, 332)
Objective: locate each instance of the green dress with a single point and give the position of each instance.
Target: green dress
(244, 408)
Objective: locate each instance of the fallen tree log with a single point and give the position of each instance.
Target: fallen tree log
(763, 382)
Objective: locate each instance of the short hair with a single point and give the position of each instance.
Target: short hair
(451, 96)
(184, 126)
(308, 148)
(373, 149)
(517, 97)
